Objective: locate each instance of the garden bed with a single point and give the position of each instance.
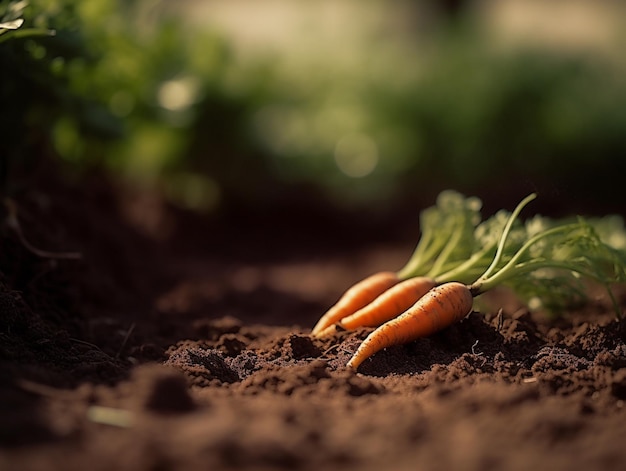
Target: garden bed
(178, 342)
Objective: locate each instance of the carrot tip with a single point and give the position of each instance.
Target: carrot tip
(327, 332)
(354, 363)
(356, 297)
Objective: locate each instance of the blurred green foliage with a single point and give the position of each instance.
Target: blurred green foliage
(129, 85)
(558, 116)
(463, 112)
(117, 85)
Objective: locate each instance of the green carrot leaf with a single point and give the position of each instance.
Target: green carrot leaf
(447, 234)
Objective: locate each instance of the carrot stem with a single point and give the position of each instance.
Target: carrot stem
(444, 229)
(485, 283)
(505, 234)
(416, 261)
(461, 271)
(445, 253)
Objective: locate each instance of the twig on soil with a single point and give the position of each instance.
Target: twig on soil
(95, 347)
(14, 224)
(338, 347)
(126, 337)
(500, 320)
(110, 416)
(324, 354)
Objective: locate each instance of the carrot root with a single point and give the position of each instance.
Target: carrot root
(357, 297)
(441, 307)
(390, 304)
(329, 331)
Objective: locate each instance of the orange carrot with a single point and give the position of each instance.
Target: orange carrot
(388, 305)
(441, 307)
(357, 297)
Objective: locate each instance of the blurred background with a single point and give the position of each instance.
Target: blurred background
(360, 104)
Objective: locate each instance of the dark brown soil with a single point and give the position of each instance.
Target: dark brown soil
(182, 343)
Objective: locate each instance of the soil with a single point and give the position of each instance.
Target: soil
(179, 342)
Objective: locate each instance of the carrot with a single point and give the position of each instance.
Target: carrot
(441, 307)
(403, 295)
(574, 248)
(388, 305)
(447, 239)
(357, 297)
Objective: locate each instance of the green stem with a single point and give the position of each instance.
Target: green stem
(616, 305)
(505, 234)
(443, 257)
(511, 269)
(460, 271)
(510, 272)
(426, 250)
(26, 33)
(415, 262)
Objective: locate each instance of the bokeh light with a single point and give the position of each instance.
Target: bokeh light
(356, 155)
